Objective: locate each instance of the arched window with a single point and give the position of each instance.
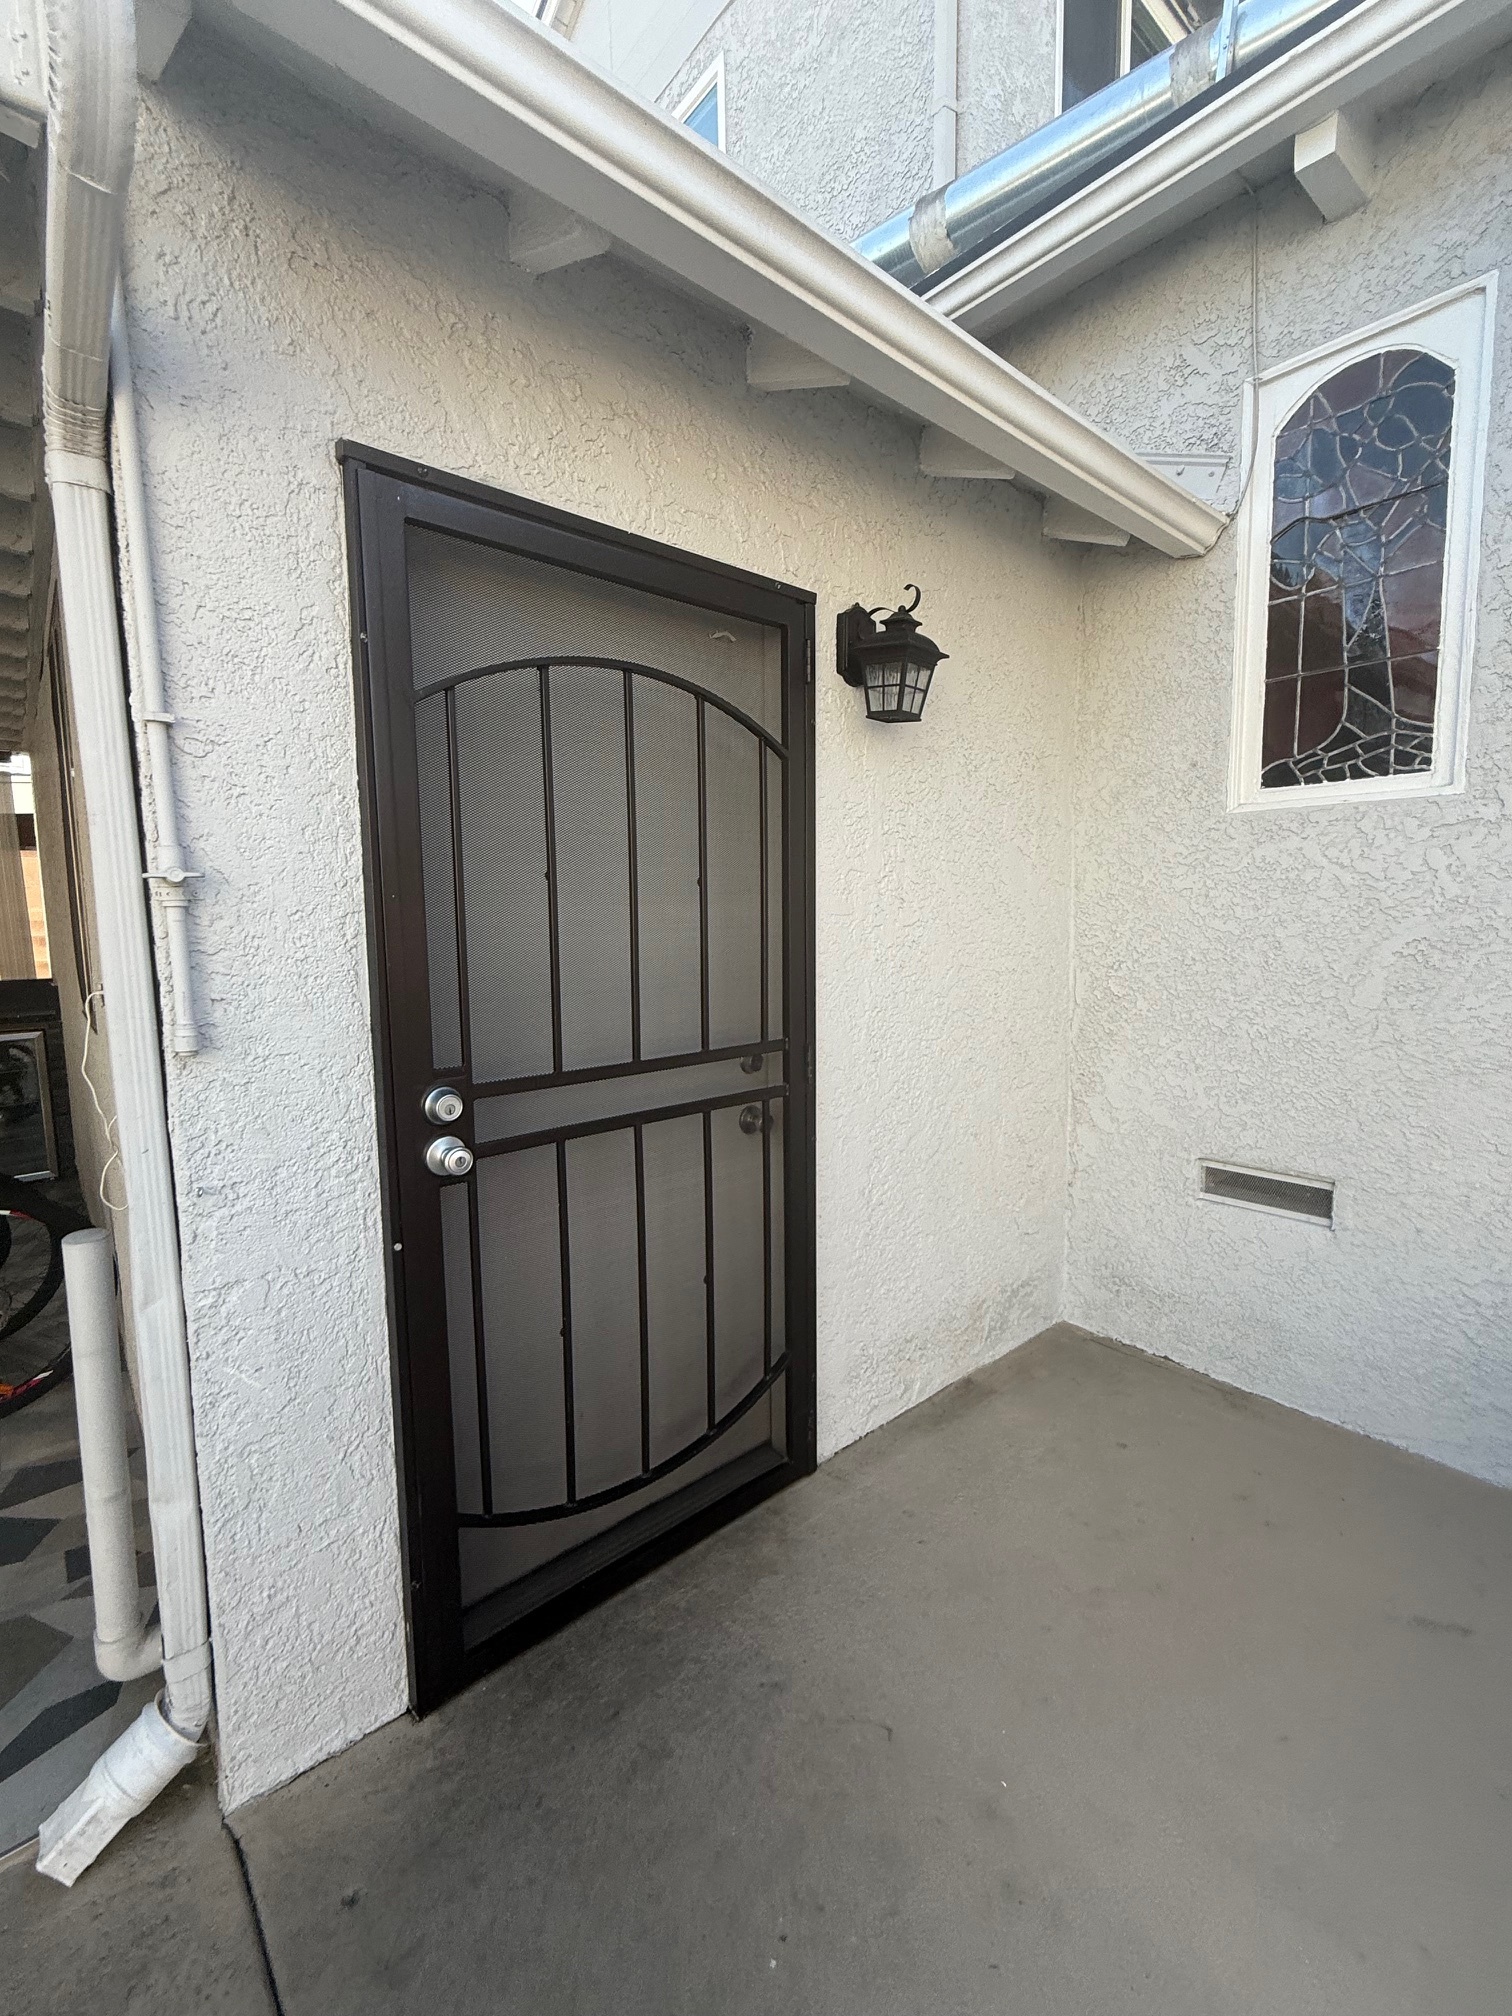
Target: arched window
(1358, 522)
(1358, 563)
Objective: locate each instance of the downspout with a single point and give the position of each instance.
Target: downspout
(91, 117)
(945, 108)
(168, 874)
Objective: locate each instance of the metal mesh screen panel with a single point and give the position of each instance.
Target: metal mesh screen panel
(605, 1310)
(1276, 1193)
(593, 886)
(473, 605)
(520, 1256)
(505, 894)
(675, 1283)
(732, 758)
(666, 796)
(433, 764)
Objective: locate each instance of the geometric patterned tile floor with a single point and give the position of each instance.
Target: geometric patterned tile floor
(56, 1712)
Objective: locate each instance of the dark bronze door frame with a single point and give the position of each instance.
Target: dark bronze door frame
(387, 500)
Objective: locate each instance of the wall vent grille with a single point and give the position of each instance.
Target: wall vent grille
(1264, 1192)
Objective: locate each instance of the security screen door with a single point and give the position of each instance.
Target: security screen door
(588, 783)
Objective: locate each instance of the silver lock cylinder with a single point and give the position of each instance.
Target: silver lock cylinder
(447, 1156)
(443, 1106)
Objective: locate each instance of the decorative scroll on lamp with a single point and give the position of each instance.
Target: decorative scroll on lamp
(893, 662)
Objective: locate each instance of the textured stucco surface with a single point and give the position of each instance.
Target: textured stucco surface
(828, 108)
(1321, 990)
(831, 105)
(294, 279)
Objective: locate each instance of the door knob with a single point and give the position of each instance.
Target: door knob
(442, 1106)
(752, 1119)
(447, 1156)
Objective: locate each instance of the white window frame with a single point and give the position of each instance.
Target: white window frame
(712, 79)
(1456, 326)
(1125, 47)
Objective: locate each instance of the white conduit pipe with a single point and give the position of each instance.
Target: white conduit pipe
(91, 84)
(945, 107)
(123, 1649)
(168, 875)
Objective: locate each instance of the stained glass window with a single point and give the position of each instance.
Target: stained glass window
(1359, 511)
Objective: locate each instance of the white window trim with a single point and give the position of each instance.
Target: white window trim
(713, 78)
(1457, 326)
(1125, 47)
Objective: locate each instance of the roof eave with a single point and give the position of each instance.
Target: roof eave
(483, 77)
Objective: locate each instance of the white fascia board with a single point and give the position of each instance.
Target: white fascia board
(485, 79)
(1379, 51)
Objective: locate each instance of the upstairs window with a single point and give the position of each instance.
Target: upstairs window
(702, 111)
(1102, 39)
(1359, 550)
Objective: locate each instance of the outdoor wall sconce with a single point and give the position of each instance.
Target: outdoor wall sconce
(894, 662)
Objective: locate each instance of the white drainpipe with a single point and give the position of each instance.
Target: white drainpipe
(123, 1649)
(91, 118)
(168, 875)
(945, 109)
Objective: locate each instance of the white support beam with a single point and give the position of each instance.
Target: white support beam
(773, 364)
(544, 237)
(1079, 528)
(160, 26)
(1335, 163)
(1201, 474)
(941, 454)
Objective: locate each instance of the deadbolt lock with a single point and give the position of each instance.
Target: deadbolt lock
(442, 1106)
(447, 1156)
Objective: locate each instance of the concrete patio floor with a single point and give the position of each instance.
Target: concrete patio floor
(1087, 1686)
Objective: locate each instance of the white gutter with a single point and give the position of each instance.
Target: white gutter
(91, 118)
(491, 85)
(1382, 50)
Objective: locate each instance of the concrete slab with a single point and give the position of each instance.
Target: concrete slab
(161, 1924)
(1090, 1685)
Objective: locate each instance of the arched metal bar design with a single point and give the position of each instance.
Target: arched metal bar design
(540, 1515)
(536, 660)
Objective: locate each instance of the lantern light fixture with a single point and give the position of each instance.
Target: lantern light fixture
(893, 662)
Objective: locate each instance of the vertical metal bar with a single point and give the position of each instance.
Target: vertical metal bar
(761, 758)
(554, 921)
(645, 1322)
(635, 981)
(703, 878)
(480, 1350)
(464, 1016)
(766, 1236)
(569, 1403)
(708, 1161)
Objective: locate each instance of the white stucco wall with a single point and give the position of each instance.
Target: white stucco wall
(830, 106)
(294, 279)
(1321, 990)
(827, 106)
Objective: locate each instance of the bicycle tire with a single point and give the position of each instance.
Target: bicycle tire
(26, 1200)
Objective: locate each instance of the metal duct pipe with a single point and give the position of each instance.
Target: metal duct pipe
(981, 207)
